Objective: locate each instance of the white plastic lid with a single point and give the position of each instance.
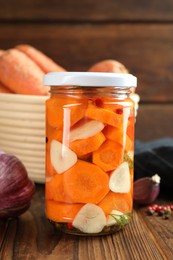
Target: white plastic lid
(91, 79)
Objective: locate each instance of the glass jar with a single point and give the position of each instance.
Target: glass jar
(89, 151)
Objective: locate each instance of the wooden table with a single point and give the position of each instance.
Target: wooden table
(31, 236)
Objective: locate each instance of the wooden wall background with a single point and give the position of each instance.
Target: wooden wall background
(78, 33)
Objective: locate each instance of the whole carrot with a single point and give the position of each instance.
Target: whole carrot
(4, 89)
(108, 66)
(1, 51)
(43, 61)
(20, 74)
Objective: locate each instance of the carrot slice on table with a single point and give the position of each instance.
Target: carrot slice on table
(43, 61)
(108, 66)
(62, 212)
(104, 115)
(109, 156)
(116, 201)
(20, 74)
(88, 145)
(86, 183)
(63, 110)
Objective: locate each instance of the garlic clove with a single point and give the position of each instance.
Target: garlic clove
(90, 219)
(120, 179)
(146, 189)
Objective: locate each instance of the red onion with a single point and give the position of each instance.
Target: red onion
(146, 189)
(16, 189)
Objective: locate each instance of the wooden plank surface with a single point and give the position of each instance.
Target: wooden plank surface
(145, 49)
(31, 236)
(87, 10)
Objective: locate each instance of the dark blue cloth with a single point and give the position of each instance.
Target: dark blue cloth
(155, 157)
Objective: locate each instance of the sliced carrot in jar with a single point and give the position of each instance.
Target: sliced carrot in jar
(85, 146)
(109, 156)
(128, 144)
(86, 183)
(130, 128)
(104, 115)
(62, 212)
(60, 110)
(116, 134)
(51, 133)
(117, 201)
(113, 133)
(55, 189)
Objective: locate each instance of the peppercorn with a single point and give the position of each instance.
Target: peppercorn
(164, 211)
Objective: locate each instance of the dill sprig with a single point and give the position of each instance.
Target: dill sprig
(121, 220)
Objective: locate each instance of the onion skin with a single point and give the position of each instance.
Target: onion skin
(16, 189)
(145, 191)
(14, 212)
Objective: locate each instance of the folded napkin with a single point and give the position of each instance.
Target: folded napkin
(155, 157)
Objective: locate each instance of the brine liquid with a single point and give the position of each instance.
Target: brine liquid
(89, 161)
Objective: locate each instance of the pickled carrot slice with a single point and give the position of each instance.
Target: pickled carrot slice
(86, 183)
(85, 146)
(113, 133)
(58, 107)
(117, 201)
(62, 212)
(128, 144)
(117, 135)
(130, 128)
(104, 115)
(109, 156)
(51, 133)
(55, 189)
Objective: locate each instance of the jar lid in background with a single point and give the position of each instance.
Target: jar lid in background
(91, 79)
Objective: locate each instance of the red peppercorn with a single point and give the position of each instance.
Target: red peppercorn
(150, 210)
(119, 111)
(154, 207)
(159, 208)
(164, 208)
(70, 226)
(99, 102)
(171, 207)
